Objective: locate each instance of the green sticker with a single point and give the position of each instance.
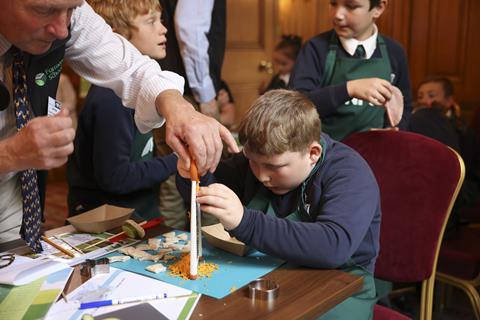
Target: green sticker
(40, 79)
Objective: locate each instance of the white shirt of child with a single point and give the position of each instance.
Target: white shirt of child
(370, 44)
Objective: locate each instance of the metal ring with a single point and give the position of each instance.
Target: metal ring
(263, 289)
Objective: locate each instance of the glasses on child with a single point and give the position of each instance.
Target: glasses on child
(6, 260)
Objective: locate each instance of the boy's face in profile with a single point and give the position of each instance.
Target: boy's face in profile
(284, 172)
(431, 92)
(148, 36)
(353, 18)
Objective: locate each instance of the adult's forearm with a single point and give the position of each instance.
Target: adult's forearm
(108, 60)
(7, 157)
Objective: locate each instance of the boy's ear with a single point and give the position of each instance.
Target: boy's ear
(315, 152)
(378, 10)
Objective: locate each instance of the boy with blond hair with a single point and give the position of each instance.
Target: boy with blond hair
(296, 194)
(113, 162)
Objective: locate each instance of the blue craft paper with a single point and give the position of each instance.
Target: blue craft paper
(233, 273)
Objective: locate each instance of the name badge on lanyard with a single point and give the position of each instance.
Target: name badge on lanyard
(54, 106)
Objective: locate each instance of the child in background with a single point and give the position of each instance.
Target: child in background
(437, 116)
(113, 162)
(435, 113)
(435, 101)
(352, 72)
(226, 105)
(439, 90)
(296, 194)
(284, 57)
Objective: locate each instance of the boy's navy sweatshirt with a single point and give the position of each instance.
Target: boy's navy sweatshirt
(100, 169)
(307, 75)
(343, 195)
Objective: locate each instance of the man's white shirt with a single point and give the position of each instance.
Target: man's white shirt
(105, 59)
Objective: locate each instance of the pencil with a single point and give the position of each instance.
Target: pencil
(104, 240)
(111, 302)
(109, 238)
(58, 247)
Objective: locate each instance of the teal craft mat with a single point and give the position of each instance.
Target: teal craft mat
(233, 273)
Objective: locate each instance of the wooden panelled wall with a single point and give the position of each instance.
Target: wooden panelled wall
(441, 37)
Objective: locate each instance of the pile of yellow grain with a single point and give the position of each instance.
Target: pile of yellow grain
(181, 268)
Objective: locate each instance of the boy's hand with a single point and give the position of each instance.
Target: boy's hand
(373, 90)
(183, 170)
(222, 203)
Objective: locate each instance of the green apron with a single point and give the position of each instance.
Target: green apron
(354, 115)
(360, 305)
(146, 202)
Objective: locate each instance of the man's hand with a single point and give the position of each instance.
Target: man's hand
(373, 90)
(210, 109)
(189, 132)
(44, 143)
(222, 203)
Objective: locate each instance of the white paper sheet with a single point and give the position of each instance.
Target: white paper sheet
(120, 284)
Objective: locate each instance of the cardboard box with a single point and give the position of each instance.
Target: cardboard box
(101, 219)
(218, 237)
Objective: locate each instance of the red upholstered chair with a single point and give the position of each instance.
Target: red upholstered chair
(419, 179)
(459, 263)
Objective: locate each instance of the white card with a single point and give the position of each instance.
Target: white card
(54, 106)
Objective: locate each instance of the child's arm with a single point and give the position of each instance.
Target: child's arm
(374, 90)
(231, 172)
(112, 140)
(308, 74)
(349, 203)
